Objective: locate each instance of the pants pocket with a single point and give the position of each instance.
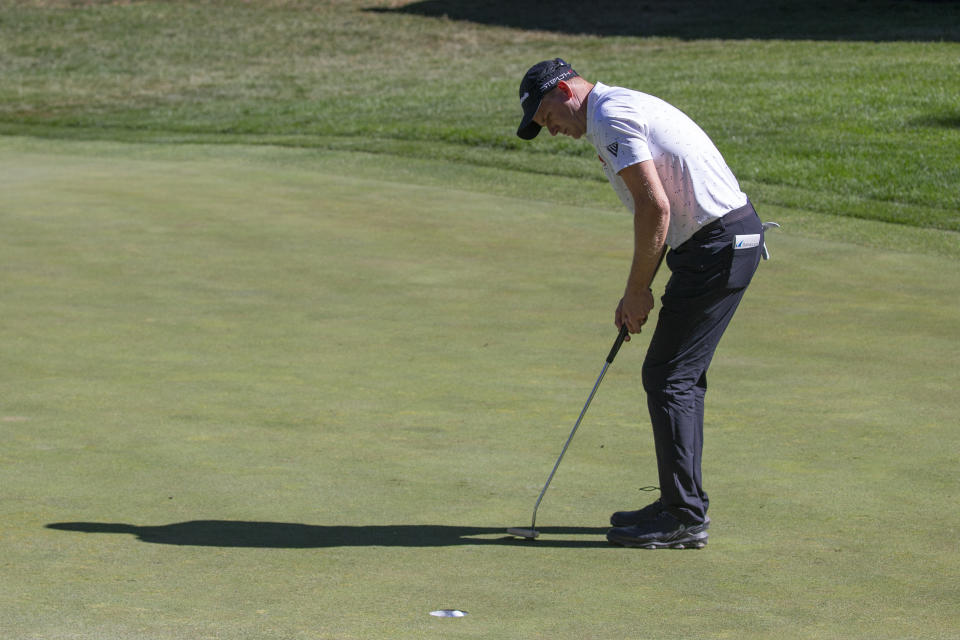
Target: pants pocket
(746, 257)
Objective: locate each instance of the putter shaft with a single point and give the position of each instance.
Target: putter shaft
(606, 365)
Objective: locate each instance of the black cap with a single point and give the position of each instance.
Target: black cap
(539, 80)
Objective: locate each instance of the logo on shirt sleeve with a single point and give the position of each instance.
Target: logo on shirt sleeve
(613, 148)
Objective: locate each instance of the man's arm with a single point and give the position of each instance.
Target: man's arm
(651, 218)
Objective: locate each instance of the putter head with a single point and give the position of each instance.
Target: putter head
(529, 534)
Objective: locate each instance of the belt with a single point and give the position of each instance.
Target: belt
(739, 214)
(730, 217)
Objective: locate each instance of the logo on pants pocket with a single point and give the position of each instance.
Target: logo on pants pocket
(748, 241)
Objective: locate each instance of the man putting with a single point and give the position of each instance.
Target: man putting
(682, 195)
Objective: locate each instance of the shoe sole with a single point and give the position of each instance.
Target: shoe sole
(693, 541)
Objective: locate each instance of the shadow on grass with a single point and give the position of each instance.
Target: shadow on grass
(282, 535)
(940, 121)
(912, 20)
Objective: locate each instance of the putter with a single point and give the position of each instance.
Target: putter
(532, 532)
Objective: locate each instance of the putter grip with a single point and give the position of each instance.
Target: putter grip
(619, 341)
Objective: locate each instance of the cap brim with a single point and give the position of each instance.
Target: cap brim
(529, 129)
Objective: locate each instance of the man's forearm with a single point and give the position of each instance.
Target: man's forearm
(650, 226)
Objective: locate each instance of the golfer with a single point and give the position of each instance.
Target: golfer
(686, 203)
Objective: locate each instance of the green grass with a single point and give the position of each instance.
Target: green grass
(839, 127)
(294, 326)
(287, 398)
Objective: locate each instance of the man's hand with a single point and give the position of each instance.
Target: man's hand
(633, 310)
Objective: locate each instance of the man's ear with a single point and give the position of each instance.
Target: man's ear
(565, 88)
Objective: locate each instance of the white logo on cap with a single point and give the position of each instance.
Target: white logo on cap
(524, 97)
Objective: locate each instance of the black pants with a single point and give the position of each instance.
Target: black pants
(709, 276)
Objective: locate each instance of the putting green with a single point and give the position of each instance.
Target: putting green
(266, 393)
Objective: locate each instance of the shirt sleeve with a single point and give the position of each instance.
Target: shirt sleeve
(623, 142)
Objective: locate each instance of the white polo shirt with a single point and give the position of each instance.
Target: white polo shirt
(627, 127)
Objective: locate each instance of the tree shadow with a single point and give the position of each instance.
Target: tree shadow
(283, 535)
(914, 20)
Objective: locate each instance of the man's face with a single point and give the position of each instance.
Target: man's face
(558, 114)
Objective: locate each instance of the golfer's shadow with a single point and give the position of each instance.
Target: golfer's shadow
(282, 535)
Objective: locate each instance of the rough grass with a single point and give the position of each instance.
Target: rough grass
(838, 127)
